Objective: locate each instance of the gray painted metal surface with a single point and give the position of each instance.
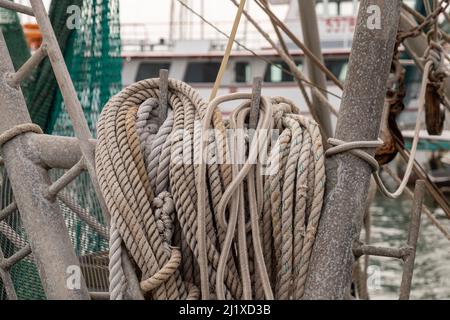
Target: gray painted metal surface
(413, 236)
(348, 177)
(28, 156)
(41, 218)
(311, 38)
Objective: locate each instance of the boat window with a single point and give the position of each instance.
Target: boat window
(203, 72)
(275, 72)
(242, 71)
(338, 68)
(149, 70)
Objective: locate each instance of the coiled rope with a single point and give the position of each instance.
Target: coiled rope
(206, 207)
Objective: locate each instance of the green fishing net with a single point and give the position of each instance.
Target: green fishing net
(93, 57)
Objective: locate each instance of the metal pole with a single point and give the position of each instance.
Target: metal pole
(70, 97)
(172, 15)
(398, 253)
(348, 177)
(202, 11)
(164, 92)
(6, 278)
(256, 102)
(57, 152)
(181, 22)
(28, 67)
(42, 218)
(311, 39)
(16, 7)
(245, 28)
(413, 236)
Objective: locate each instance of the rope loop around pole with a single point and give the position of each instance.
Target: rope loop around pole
(18, 130)
(355, 147)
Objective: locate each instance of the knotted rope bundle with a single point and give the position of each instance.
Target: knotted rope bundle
(226, 213)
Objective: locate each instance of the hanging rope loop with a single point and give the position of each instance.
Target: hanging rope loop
(356, 146)
(165, 273)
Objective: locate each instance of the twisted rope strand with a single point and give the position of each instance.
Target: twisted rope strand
(203, 213)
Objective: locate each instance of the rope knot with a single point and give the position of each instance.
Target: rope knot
(164, 210)
(435, 54)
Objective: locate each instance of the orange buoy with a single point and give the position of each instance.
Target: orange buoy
(33, 35)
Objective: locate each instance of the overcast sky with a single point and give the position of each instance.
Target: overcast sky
(148, 11)
(156, 15)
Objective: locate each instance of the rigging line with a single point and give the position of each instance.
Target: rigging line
(226, 56)
(427, 6)
(420, 18)
(308, 53)
(307, 83)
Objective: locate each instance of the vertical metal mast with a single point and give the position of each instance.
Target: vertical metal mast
(348, 177)
(172, 17)
(311, 38)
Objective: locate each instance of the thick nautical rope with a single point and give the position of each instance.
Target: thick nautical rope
(152, 138)
(180, 200)
(293, 282)
(128, 193)
(129, 200)
(117, 281)
(17, 131)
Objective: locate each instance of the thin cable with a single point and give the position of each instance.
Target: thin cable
(228, 49)
(265, 7)
(286, 71)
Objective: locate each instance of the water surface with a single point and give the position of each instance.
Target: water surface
(390, 220)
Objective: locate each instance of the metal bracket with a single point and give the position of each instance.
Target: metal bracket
(406, 253)
(164, 93)
(256, 102)
(42, 219)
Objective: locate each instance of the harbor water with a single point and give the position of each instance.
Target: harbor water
(390, 220)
